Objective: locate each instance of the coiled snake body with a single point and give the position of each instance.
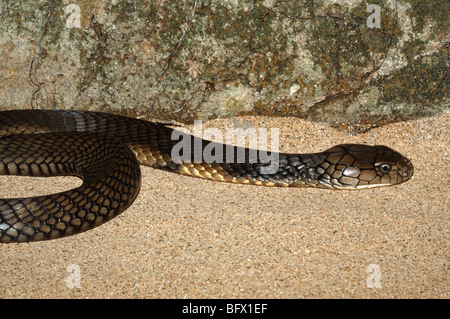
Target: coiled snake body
(105, 151)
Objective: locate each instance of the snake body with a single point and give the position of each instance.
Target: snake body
(105, 151)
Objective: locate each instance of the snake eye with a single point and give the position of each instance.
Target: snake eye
(384, 168)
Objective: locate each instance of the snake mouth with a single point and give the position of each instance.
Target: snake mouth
(406, 171)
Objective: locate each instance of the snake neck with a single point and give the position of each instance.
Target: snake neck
(221, 162)
(295, 170)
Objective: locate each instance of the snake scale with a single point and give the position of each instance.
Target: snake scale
(105, 151)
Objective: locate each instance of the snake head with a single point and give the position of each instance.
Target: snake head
(353, 166)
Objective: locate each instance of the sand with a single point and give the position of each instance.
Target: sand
(189, 238)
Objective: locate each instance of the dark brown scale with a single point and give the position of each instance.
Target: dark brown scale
(42, 217)
(105, 151)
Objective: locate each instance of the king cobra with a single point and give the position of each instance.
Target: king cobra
(105, 151)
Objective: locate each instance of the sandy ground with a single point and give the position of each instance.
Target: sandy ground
(190, 238)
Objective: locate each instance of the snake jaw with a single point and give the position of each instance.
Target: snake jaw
(406, 170)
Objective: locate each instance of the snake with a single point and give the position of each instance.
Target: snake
(106, 152)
